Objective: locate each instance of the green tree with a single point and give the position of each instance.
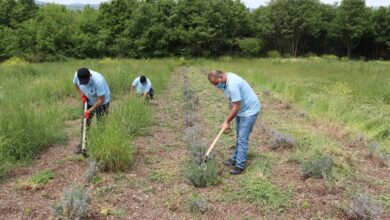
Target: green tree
(6, 7)
(293, 20)
(112, 19)
(381, 31)
(352, 22)
(87, 43)
(51, 34)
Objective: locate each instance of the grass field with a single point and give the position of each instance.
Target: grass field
(320, 148)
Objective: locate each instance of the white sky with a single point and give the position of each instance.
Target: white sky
(248, 3)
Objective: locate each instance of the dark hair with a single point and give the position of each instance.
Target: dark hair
(142, 79)
(83, 74)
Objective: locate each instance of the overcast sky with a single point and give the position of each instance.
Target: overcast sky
(248, 3)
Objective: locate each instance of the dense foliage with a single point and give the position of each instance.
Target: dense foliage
(161, 28)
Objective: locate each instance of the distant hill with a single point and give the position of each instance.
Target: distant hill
(76, 6)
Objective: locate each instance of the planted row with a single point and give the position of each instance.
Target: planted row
(199, 173)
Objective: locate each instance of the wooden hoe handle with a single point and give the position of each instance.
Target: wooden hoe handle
(214, 142)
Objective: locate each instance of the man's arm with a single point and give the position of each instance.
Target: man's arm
(235, 107)
(98, 103)
(79, 90)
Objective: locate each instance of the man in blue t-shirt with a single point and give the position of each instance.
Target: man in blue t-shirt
(244, 106)
(142, 86)
(94, 90)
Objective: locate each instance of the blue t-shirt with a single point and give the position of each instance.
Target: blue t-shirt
(96, 87)
(140, 89)
(237, 89)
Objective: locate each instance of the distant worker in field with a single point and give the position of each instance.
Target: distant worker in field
(244, 106)
(142, 86)
(94, 90)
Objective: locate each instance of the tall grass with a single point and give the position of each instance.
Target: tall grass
(110, 141)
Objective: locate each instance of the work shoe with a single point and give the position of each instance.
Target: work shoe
(236, 170)
(78, 150)
(229, 162)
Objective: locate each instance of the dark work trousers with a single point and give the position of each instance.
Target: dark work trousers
(151, 93)
(100, 112)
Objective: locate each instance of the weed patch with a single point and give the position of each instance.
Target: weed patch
(38, 180)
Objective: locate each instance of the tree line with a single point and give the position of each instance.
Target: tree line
(193, 28)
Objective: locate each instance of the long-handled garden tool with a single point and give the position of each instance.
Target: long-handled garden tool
(84, 137)
(206, 156)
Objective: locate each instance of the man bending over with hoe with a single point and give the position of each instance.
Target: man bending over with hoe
(95, 96)
(244, 106)
(142, 86)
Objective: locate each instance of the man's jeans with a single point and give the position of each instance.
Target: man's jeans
(244, 127)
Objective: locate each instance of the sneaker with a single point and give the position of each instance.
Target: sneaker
(230, 162)
(236, 170)
(78, 150)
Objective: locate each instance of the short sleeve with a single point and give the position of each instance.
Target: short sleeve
(100, 91)
(234, 91)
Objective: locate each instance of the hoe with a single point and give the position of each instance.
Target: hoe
(206, 156)
(84, 138)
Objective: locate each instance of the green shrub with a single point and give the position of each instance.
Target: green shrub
(330, 57)
(197, 204)
(279, 140)
(250, 46)
(373, 148)
(73, 204)
(384, 159)
(364, 207)
(203, 174)
(110, 141)
(91, 171)
(319, 167)
(273, 54)
(190, 119)
(110, 145)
